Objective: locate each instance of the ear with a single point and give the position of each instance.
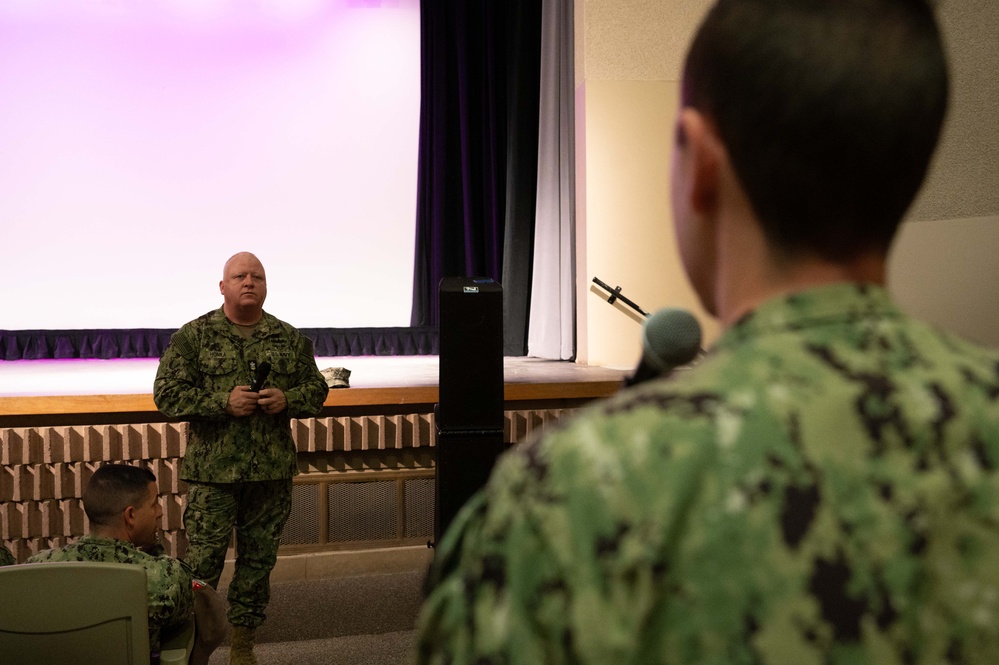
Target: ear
(128, 517)
(702, 150)
(222, 286)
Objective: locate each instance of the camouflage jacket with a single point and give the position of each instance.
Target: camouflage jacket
(168, 581)
(205, 360)
(6, 558)
(821, 489)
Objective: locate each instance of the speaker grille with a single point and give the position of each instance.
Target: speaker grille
(302, 527)
(419, 505)
(362, 511)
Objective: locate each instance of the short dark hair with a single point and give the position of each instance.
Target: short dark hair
(112, 489)
(830, 111)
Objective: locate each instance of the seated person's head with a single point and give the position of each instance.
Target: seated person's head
(122, 501)
(829, 110)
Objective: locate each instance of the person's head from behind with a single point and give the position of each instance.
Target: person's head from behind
(828, 110)
(122, 501)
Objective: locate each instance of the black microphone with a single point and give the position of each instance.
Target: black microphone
(259, 375)
(671, 337)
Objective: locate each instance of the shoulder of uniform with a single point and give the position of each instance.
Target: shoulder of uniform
(284, 327)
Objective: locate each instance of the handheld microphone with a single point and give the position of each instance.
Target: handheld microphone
(671, 337)
(260, 373)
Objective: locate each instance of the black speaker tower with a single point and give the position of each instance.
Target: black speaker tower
(469, 412)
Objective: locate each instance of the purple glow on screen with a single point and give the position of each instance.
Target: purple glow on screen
(142, 142)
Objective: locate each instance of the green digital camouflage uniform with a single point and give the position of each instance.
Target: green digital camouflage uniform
(6, 558)
(820, 490)
(239, 469)
(168, 581)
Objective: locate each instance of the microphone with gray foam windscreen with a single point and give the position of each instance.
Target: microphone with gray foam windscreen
(671, 337)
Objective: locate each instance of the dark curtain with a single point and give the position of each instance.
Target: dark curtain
(477, 173)
(151, 342)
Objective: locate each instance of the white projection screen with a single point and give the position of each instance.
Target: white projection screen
(143, 142)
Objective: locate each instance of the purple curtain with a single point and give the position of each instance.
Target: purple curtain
(477, 179)
(150, 342)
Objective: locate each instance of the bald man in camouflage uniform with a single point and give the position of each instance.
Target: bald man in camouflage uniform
(822, 489)
(122, 506)
(240, 454)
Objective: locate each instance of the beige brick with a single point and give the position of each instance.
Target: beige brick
(74, 518)
(11, 520)
(75, 443)
(43, 487)
(67, 480)
(134, 442)
(7, 482)
(15, 446)
(9, 447)
(50, 518)
(152, 441)
(175, 439)
(169, 475)
(115, 448)
(54, 444)
(34, 447)
(24, 482)
(94, 438)
(338, 433)
(157, 466)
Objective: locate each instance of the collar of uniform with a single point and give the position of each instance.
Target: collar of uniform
(222, 322)
(92, 539)
(818, 306)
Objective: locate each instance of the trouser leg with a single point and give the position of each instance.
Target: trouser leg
(264, 508)
(209, 517)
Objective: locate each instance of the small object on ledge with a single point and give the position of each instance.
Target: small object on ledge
(336, 377)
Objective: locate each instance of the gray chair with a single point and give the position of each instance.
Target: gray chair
(79, 612)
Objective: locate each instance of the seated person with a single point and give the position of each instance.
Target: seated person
(123, 507)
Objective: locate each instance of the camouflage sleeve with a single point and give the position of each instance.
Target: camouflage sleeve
(171, 597)
(498, 593)
(308, 392)
(6, 558)
(551, 563)
(178, 389)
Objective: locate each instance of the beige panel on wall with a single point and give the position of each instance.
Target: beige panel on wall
(964, 178)
(947, 273)
(629, 239)
(638, 40)
(628, 59)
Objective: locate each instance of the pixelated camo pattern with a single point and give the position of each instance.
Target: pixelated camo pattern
(168, 581)
(205, 360)
(821, 490)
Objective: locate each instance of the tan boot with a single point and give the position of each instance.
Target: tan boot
(241, 652)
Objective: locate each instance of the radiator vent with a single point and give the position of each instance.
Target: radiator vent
(419, 503)
(331, 512)
(302, 527)
(363, 511)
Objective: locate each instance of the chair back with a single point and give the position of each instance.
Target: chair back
(73, 612)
